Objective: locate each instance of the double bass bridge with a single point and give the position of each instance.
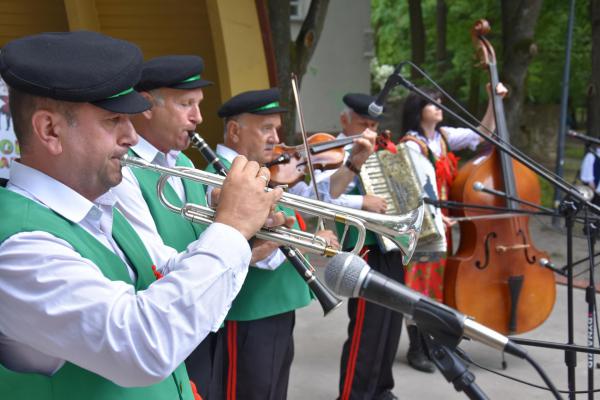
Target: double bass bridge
(505, 249)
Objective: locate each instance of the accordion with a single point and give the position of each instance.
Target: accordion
(403, 180)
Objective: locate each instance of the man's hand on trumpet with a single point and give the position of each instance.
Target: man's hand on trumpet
(261, 249)
(330, 237)
(243, 202)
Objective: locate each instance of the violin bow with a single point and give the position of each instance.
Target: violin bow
(305, 141)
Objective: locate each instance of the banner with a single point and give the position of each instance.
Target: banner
(9, 148)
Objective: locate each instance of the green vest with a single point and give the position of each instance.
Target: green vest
(175, 231)
(267, 293)
(70, 381)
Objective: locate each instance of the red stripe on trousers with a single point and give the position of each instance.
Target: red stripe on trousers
(232, 353)
(360, 317)
(355, 345)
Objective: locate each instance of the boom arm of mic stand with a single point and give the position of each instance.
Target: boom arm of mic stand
(569, 189)
(458, 205)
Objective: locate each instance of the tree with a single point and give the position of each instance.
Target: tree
(293, 56)
(519, 19)
(418, 38)
(441, 51)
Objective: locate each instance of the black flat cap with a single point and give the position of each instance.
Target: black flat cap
(177, 72)
(262, 102)
(359, 103)
(82, 66)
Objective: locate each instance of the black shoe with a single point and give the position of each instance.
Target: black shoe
(387, 396)
(416, 356)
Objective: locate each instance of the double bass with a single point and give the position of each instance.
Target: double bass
(495, 275)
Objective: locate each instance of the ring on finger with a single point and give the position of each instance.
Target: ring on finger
(264, 177)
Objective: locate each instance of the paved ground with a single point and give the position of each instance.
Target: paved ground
(319, 340)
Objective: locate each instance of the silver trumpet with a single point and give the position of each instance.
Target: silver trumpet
(402, 230)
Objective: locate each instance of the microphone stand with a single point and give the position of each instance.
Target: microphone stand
(590, 298)
(442, 332)
(569, 206)
(453, 369)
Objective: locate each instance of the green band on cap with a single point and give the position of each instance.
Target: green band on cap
(192, 78)
(266, 107)
(123, 93)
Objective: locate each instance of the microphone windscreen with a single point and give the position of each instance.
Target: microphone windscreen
(375, 110)
(478, 186)
(344, 274)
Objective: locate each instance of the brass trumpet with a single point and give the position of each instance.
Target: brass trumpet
(402, 230)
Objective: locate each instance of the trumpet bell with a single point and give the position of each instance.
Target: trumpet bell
(402, 230)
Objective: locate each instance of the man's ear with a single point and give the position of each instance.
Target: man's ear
(344, 120)
(148, 113)
(49, 128)
(233, 131)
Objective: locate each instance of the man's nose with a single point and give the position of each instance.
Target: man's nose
(196, 115)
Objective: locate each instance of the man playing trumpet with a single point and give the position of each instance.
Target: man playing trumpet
(82, 309)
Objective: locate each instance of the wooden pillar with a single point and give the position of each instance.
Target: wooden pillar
(82, 14)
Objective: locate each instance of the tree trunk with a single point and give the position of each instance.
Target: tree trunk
(519, 19)
(293, 57)
(593, 99)
(417, 34)
(441, 51)
(279, 20)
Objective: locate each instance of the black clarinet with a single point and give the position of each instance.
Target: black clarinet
(325, 297)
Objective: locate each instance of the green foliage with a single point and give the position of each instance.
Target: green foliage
(546, 70)
(392, 42)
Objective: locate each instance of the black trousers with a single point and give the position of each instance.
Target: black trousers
(203, 368)
(257, 356)
(373, 337)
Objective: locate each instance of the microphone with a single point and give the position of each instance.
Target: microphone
(348, 275)
(480, 187)
(583, 137)
(376, 108)
(544, 262)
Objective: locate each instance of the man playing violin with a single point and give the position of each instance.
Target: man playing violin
(83, 315)
(373, 331)
(175, 88)
(259, 328)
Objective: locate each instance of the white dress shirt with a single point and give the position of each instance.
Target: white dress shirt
(346, 200)
(587, 168)
(458, 139)
(58, 306)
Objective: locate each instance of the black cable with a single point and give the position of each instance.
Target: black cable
(467, 359)
(545, 377)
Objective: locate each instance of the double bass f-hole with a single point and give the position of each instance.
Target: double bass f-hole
(491, 235)
(530, 259)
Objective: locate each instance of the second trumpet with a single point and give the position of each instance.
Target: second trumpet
(403, 230)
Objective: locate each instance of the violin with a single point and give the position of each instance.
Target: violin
(495, 275)
(326, 152)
